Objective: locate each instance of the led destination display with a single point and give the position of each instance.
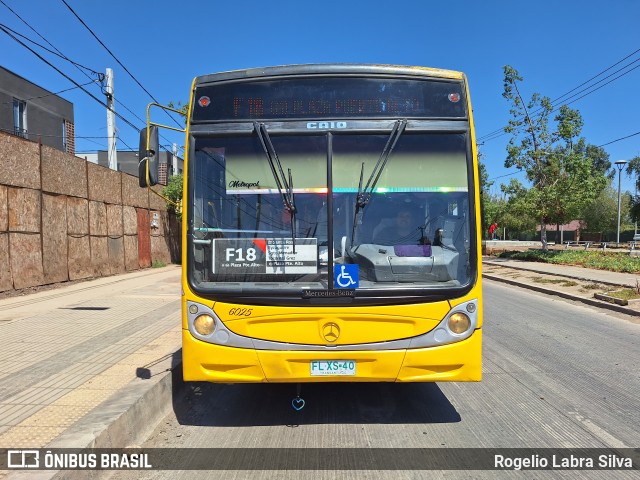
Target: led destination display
(315, 98)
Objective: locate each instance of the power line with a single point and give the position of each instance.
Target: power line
(78, 65)
(116, 59)
(595, 89)
(599, 146)
(66, 76)
(590, 89)
(130, 111)
(505, 175)
(50, 94)
(491, 136)
(64, 57)
(619, 139)
(124, 143)
(597, 75)
(93, 141)
(494, 135)
(500, 132)
(125, 68)
(100, 76)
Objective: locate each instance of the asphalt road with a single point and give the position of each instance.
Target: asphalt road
(555, 375)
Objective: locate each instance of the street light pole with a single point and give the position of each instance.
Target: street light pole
(620, 165)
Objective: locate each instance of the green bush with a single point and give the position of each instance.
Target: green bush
(173, 191)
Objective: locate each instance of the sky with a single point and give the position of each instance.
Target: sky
(556, 45)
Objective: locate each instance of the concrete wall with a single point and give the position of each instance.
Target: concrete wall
(62, 218)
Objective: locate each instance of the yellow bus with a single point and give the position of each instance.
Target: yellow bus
(331, 227)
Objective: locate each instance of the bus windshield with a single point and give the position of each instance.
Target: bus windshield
(412, 233)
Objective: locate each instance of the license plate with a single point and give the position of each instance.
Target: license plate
(333, 367)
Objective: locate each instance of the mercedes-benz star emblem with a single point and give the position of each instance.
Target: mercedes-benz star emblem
(330, 332)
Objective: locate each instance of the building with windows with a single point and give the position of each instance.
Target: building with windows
(29, 111)
(128, 163)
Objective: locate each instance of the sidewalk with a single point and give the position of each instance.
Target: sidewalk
(580, 273)
(586, 280)
(74, 359)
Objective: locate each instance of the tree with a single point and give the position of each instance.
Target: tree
(173, 192)
(183, 108)
(565, 173)
(530, 144)
(633, 170)
(576, 184)
(483, 174)
(600, 215)
(600, 161)
(516, 217)
(508, 210)
(493, 208)
(485, 184)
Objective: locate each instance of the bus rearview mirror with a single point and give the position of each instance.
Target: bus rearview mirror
(148, 157)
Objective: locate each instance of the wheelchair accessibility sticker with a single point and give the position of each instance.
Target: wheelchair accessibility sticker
(345, 276)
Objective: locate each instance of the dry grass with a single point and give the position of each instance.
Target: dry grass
(555, 281)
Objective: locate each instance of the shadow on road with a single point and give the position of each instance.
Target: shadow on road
(244, 405)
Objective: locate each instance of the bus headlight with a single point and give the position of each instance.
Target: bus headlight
(204, 324)
(459, 323)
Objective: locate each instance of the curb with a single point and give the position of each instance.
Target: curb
(123, 420)
(547, 291)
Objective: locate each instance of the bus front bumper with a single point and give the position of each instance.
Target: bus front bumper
(455, 362)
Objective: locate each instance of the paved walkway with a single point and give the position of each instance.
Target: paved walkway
(580, 273)
(65, 351)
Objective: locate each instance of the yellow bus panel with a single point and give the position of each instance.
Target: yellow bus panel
(214, 363)
(305, 325)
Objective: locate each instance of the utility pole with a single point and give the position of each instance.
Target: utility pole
(112, 153)
(620, 165)
(174, 160)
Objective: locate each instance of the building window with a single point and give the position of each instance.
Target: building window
(68, 137)
(64, 135)
(20, 118)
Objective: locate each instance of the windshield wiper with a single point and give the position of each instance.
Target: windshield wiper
(364, 195)
(284, 188)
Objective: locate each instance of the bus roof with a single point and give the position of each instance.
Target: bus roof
(329, 68)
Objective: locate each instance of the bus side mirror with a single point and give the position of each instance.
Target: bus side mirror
(148, 158)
